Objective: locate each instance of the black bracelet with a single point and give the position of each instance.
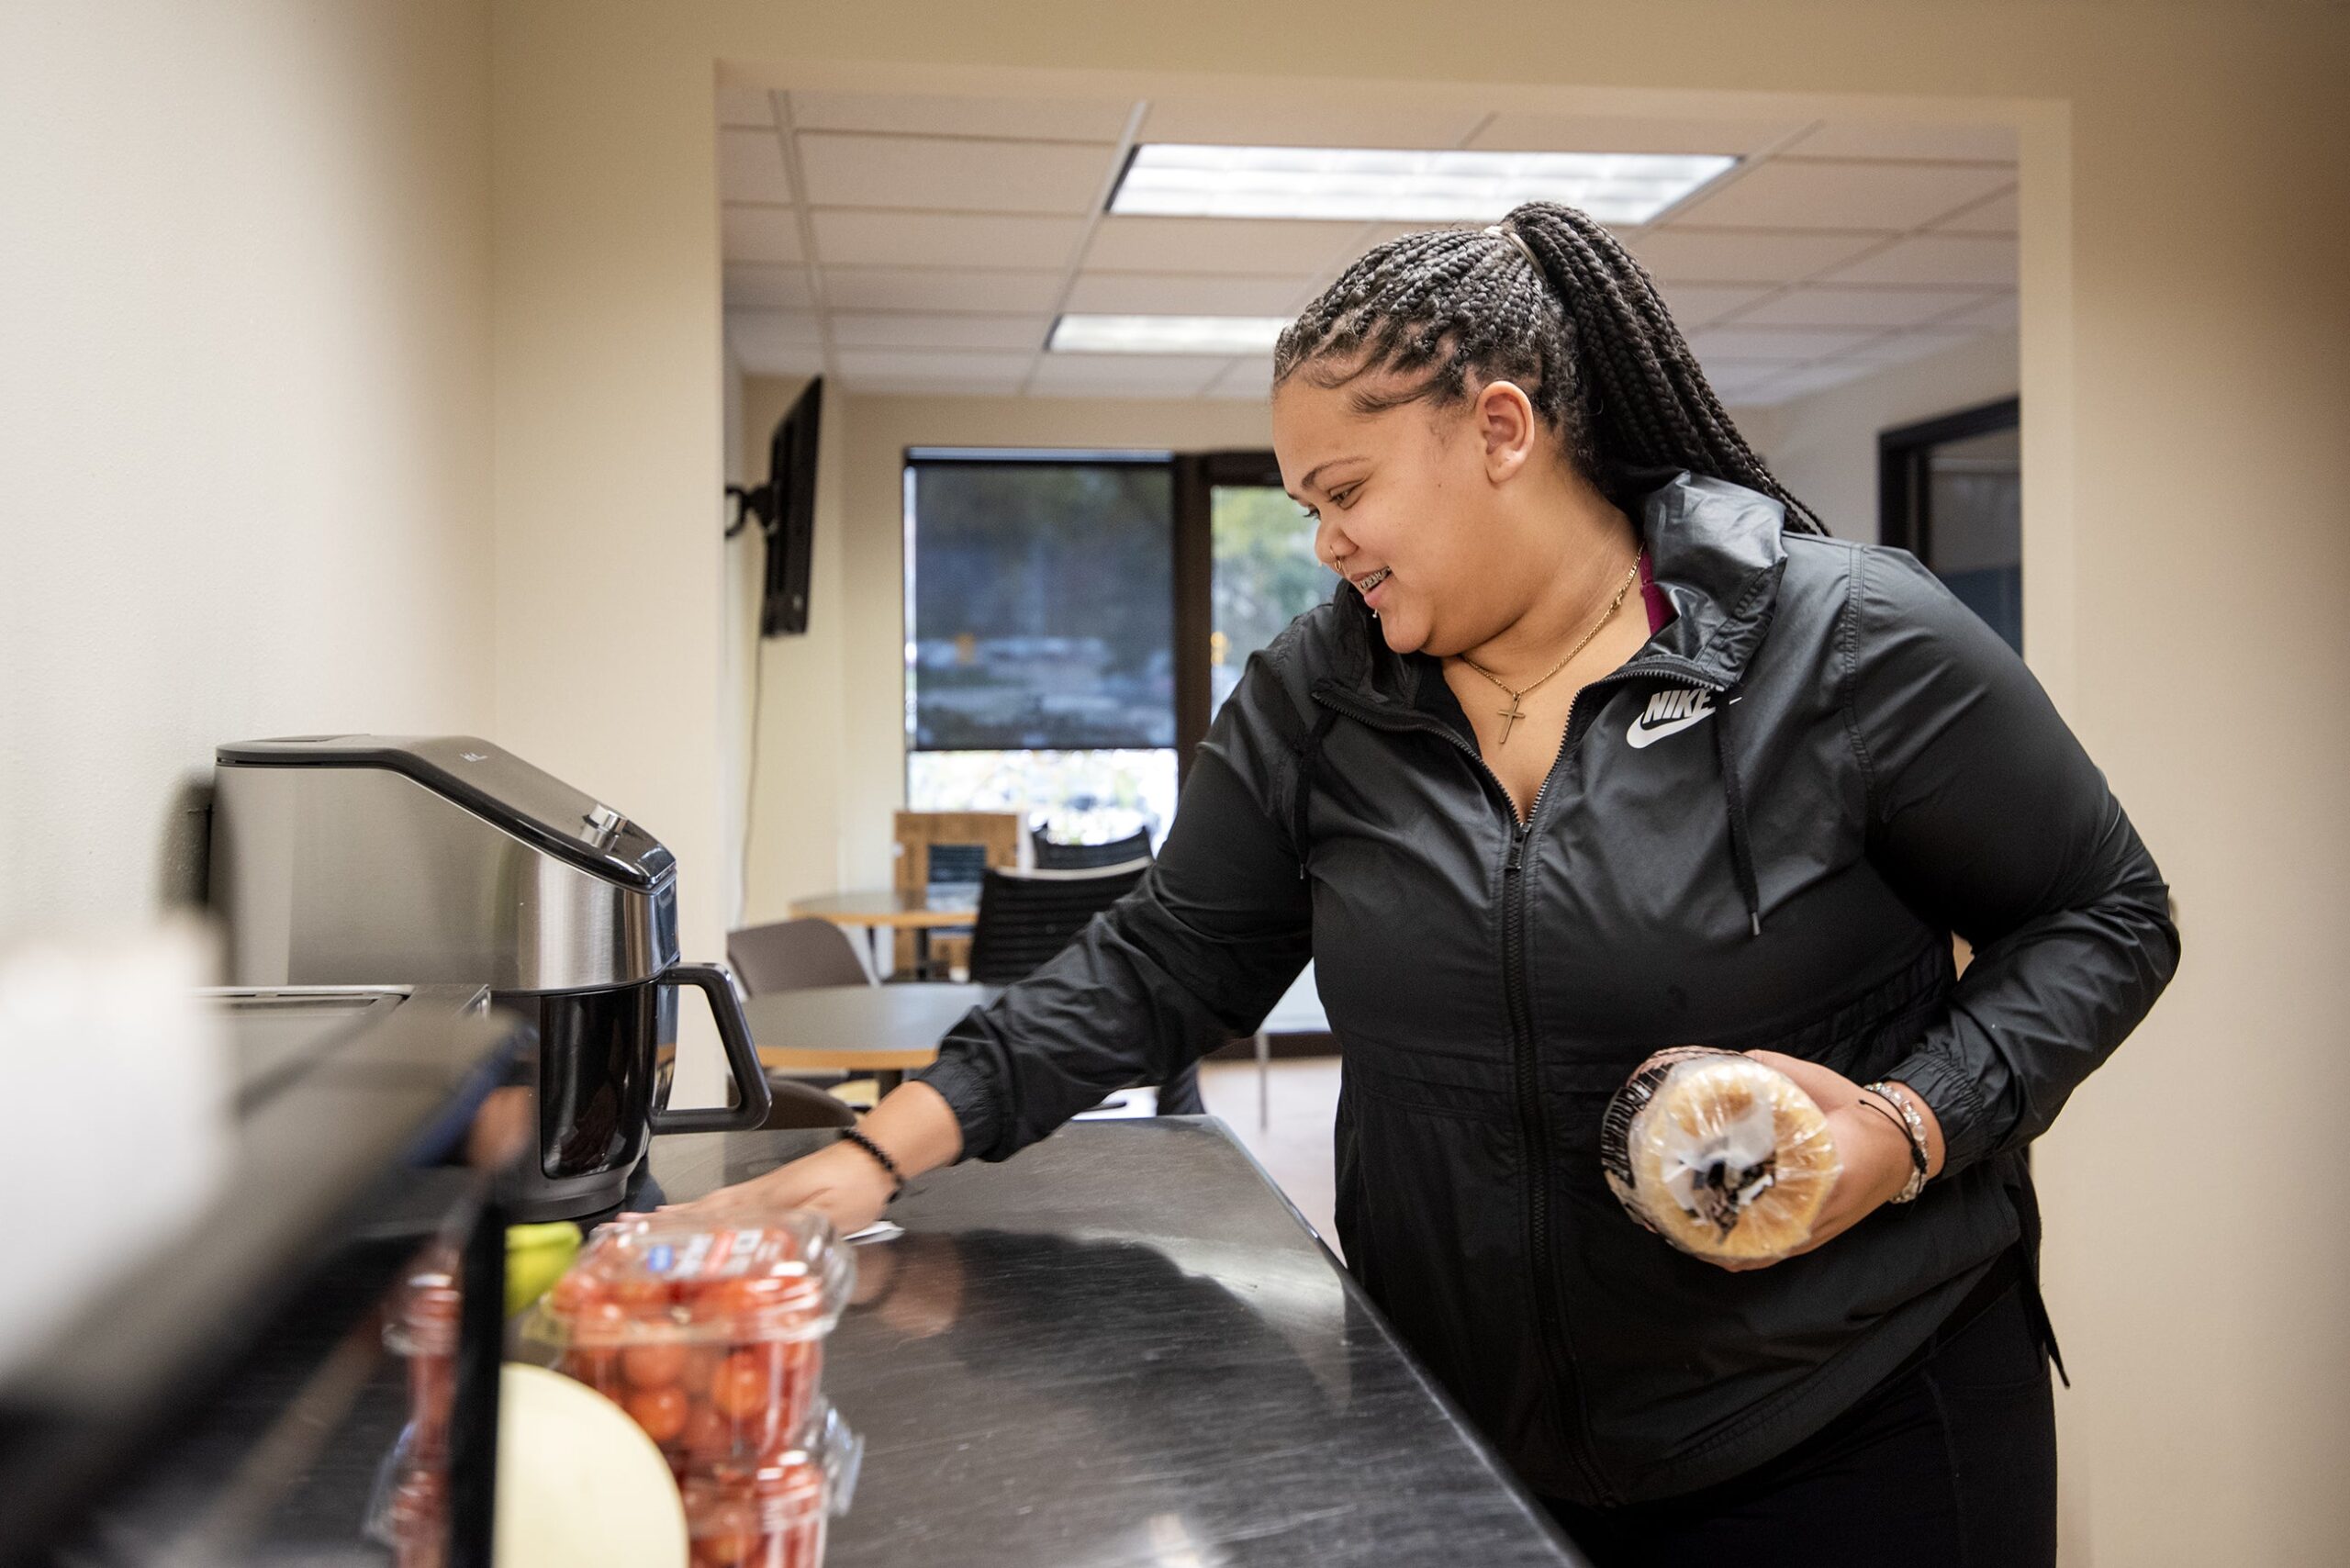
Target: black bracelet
(851, 1134)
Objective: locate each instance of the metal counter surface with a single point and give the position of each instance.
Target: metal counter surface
(1124, 1347)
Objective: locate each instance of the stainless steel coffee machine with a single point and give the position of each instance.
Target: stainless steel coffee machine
(392, 861)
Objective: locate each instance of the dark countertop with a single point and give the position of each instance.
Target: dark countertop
(1124, 1347)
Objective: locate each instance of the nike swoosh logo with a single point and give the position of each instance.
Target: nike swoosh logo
(1643, 735)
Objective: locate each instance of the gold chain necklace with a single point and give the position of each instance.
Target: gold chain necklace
(1513, 713)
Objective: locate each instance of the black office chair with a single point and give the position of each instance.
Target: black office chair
(1051, 857)
(1025, 917)
(792, 955)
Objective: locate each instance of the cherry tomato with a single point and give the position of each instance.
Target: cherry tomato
(660, 1411)
(707, 1435)
(719, 1550)
(601, 1322)
(701, 1362)
(573, 1293)
(655, 1365)
(739, 1386)
(736, 1301)
(644, 1297)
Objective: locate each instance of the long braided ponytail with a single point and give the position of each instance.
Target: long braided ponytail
(1581, 330)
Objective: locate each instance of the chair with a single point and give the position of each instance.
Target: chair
(792, 955)
(1051, 857)
(935, 848)
(1025, 917)
(796, 954)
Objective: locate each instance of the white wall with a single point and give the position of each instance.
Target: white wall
(1823, 447)
(245, 410)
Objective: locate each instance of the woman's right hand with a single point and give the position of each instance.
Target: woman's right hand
(841, 1183)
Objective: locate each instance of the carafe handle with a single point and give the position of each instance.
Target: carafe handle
(752, 1098)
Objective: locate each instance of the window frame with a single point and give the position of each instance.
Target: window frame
(1904, 517)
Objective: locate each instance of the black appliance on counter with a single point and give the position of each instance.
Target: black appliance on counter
(234, 1397)
(373, 859)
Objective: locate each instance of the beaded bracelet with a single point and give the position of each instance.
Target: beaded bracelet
(1914, 1125)
(851, 1134)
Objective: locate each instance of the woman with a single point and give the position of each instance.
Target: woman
(1602, 746)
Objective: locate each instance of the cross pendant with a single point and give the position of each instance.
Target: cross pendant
(1510, 715)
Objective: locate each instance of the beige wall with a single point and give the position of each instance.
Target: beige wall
(244, 411)
(1823, 447)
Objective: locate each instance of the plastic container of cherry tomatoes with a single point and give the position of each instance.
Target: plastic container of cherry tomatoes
(774, 1512)
(410, 1510)
(712, 1338)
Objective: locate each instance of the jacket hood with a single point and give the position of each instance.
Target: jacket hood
(1715, 550)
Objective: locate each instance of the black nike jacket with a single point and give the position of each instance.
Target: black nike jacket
(1759, 832)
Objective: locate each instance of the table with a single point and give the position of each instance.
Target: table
(883, 912)
(885, 1030)
(1123, 1346)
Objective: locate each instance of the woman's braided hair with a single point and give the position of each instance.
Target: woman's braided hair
(1587, 339)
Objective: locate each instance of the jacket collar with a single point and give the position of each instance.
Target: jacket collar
(1715, 549)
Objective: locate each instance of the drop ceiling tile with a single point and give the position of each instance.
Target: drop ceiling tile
(859, 329)
(770, 342)
(924, 387)
(941, 366)
(744, 105)
(1860, 138)
(851, 238)
(944, 289)
(759, 233)
(1125, 375)
(1982, 260)
(1695, 303)
(1993, 313)
(1792, 192)
(1794, 344)
(757, 286)
(777, 326)
(1250, 378)
(1260, 246)
(1805, 380)
(1185, 294)
(1899, 348)
(844, 169)
(1045, 119)
(750, 166)
(1515, 132)
(1261, 121)
(1732, 255)
(1814, 306)
(1997, 216)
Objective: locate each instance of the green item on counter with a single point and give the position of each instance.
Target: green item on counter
(536, 1256)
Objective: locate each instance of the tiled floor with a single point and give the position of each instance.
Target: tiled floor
(1295, 1143)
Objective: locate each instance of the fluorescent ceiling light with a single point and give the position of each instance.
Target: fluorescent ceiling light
(1166, 335)
(1174, 179)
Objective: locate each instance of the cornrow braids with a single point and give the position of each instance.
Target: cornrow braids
(1581, 331)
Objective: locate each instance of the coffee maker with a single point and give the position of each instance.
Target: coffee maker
(397, 860)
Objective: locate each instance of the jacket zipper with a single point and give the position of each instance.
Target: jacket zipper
(1517, 988)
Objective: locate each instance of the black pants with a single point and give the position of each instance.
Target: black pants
(1951, 1462)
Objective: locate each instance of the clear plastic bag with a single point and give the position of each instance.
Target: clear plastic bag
(1722, 1155)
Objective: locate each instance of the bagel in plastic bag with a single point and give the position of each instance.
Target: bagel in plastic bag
(1722, 1156)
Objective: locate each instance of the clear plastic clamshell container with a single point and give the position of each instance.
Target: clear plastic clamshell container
(711, 1338)
(773, 1513)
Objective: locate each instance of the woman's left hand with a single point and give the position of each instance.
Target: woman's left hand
(1870, 1145)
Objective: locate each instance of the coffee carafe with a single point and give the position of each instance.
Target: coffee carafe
(399, 860)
